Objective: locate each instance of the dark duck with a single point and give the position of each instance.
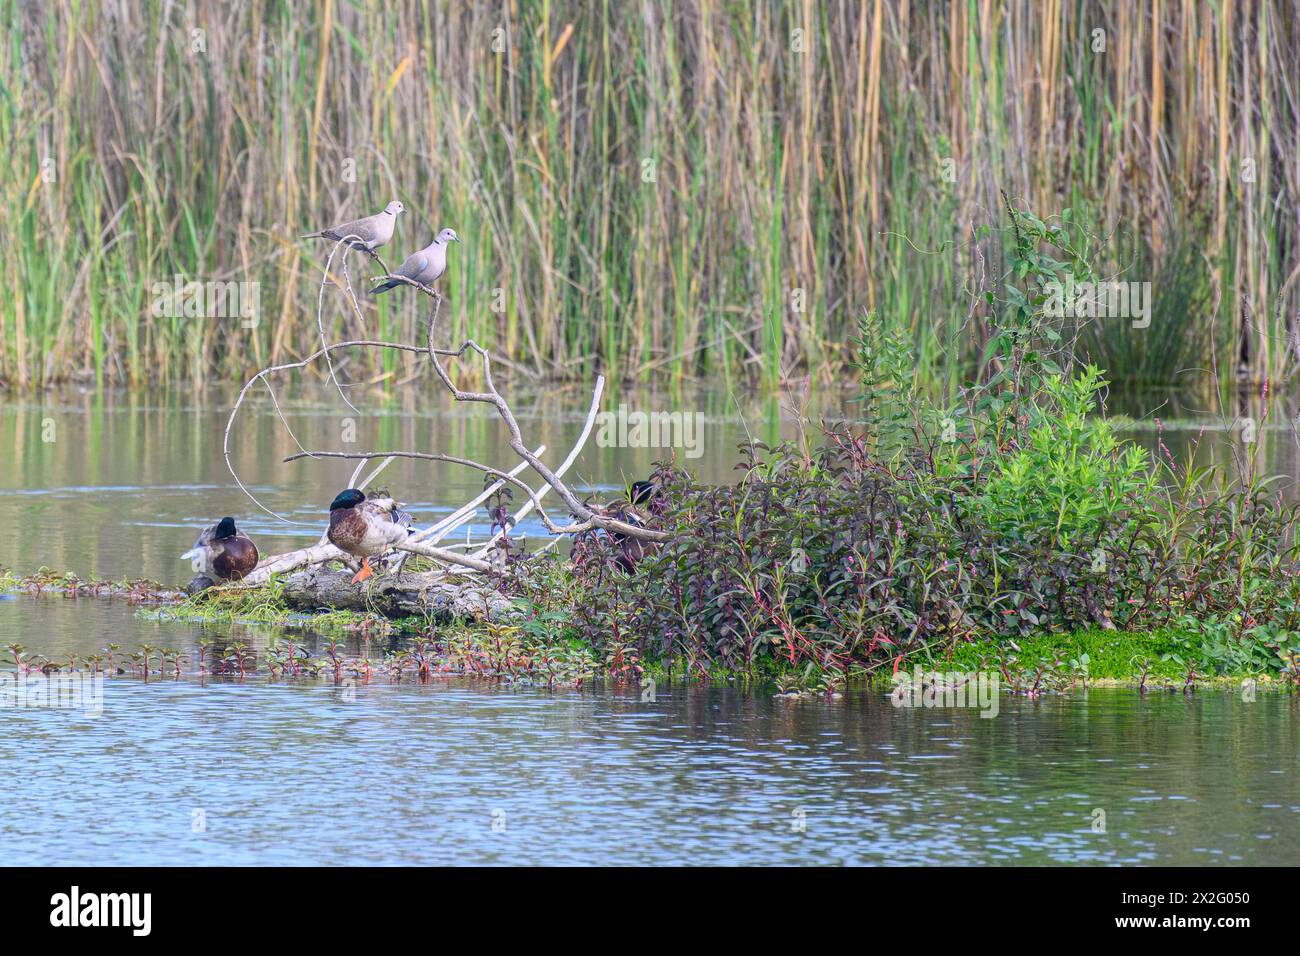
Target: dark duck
(223, 551)
(630, 551)
(366, 527)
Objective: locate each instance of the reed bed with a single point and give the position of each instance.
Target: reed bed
(699, 189)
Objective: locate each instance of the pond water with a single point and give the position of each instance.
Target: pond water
(119, 485)
(219, 771)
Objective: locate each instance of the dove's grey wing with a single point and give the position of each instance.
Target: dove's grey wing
(415, 265)
(366, 230)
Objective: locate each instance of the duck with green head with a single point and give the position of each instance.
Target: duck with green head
(366, 527)
(223, 551)
(630, 551)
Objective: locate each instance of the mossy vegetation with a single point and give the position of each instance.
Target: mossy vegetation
(549, 649)
(266, 605)
(48, 581)
(1165, 656)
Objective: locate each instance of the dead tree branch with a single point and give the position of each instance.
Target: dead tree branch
(585, 516)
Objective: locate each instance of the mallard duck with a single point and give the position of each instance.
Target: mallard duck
(366, 527)
(223, 551)
(641, 492)
(629, 551)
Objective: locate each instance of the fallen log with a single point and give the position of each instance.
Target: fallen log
(425, 594)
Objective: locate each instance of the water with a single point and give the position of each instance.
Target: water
(458, 772)
(119, 485)
(219, 771)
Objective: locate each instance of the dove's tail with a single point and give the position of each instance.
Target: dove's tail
(384, 287)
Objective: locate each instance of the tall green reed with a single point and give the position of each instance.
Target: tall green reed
(641, 188)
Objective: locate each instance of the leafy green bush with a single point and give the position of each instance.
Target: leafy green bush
(1072, 477)
(920, 529)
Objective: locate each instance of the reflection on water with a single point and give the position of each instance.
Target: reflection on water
(220, 771)
(118, 485)
(1247, 431)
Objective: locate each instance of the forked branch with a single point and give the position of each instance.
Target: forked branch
(586, 517)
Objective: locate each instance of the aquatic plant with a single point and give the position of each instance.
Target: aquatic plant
(333, 650)
(67, 584)
(845, 156)
(19, 657)
(1016, 511)
(204, 645)
(170, 657)
(238, 658)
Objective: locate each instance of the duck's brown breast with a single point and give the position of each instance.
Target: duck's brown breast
(348, 530)
(235, 557)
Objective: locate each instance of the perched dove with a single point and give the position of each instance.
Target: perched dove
(424, 266)
(370, 232)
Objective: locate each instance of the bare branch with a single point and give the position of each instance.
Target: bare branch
(450, 561)
(593, 521)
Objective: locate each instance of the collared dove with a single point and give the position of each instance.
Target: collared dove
(424, 266)
(370, 232)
